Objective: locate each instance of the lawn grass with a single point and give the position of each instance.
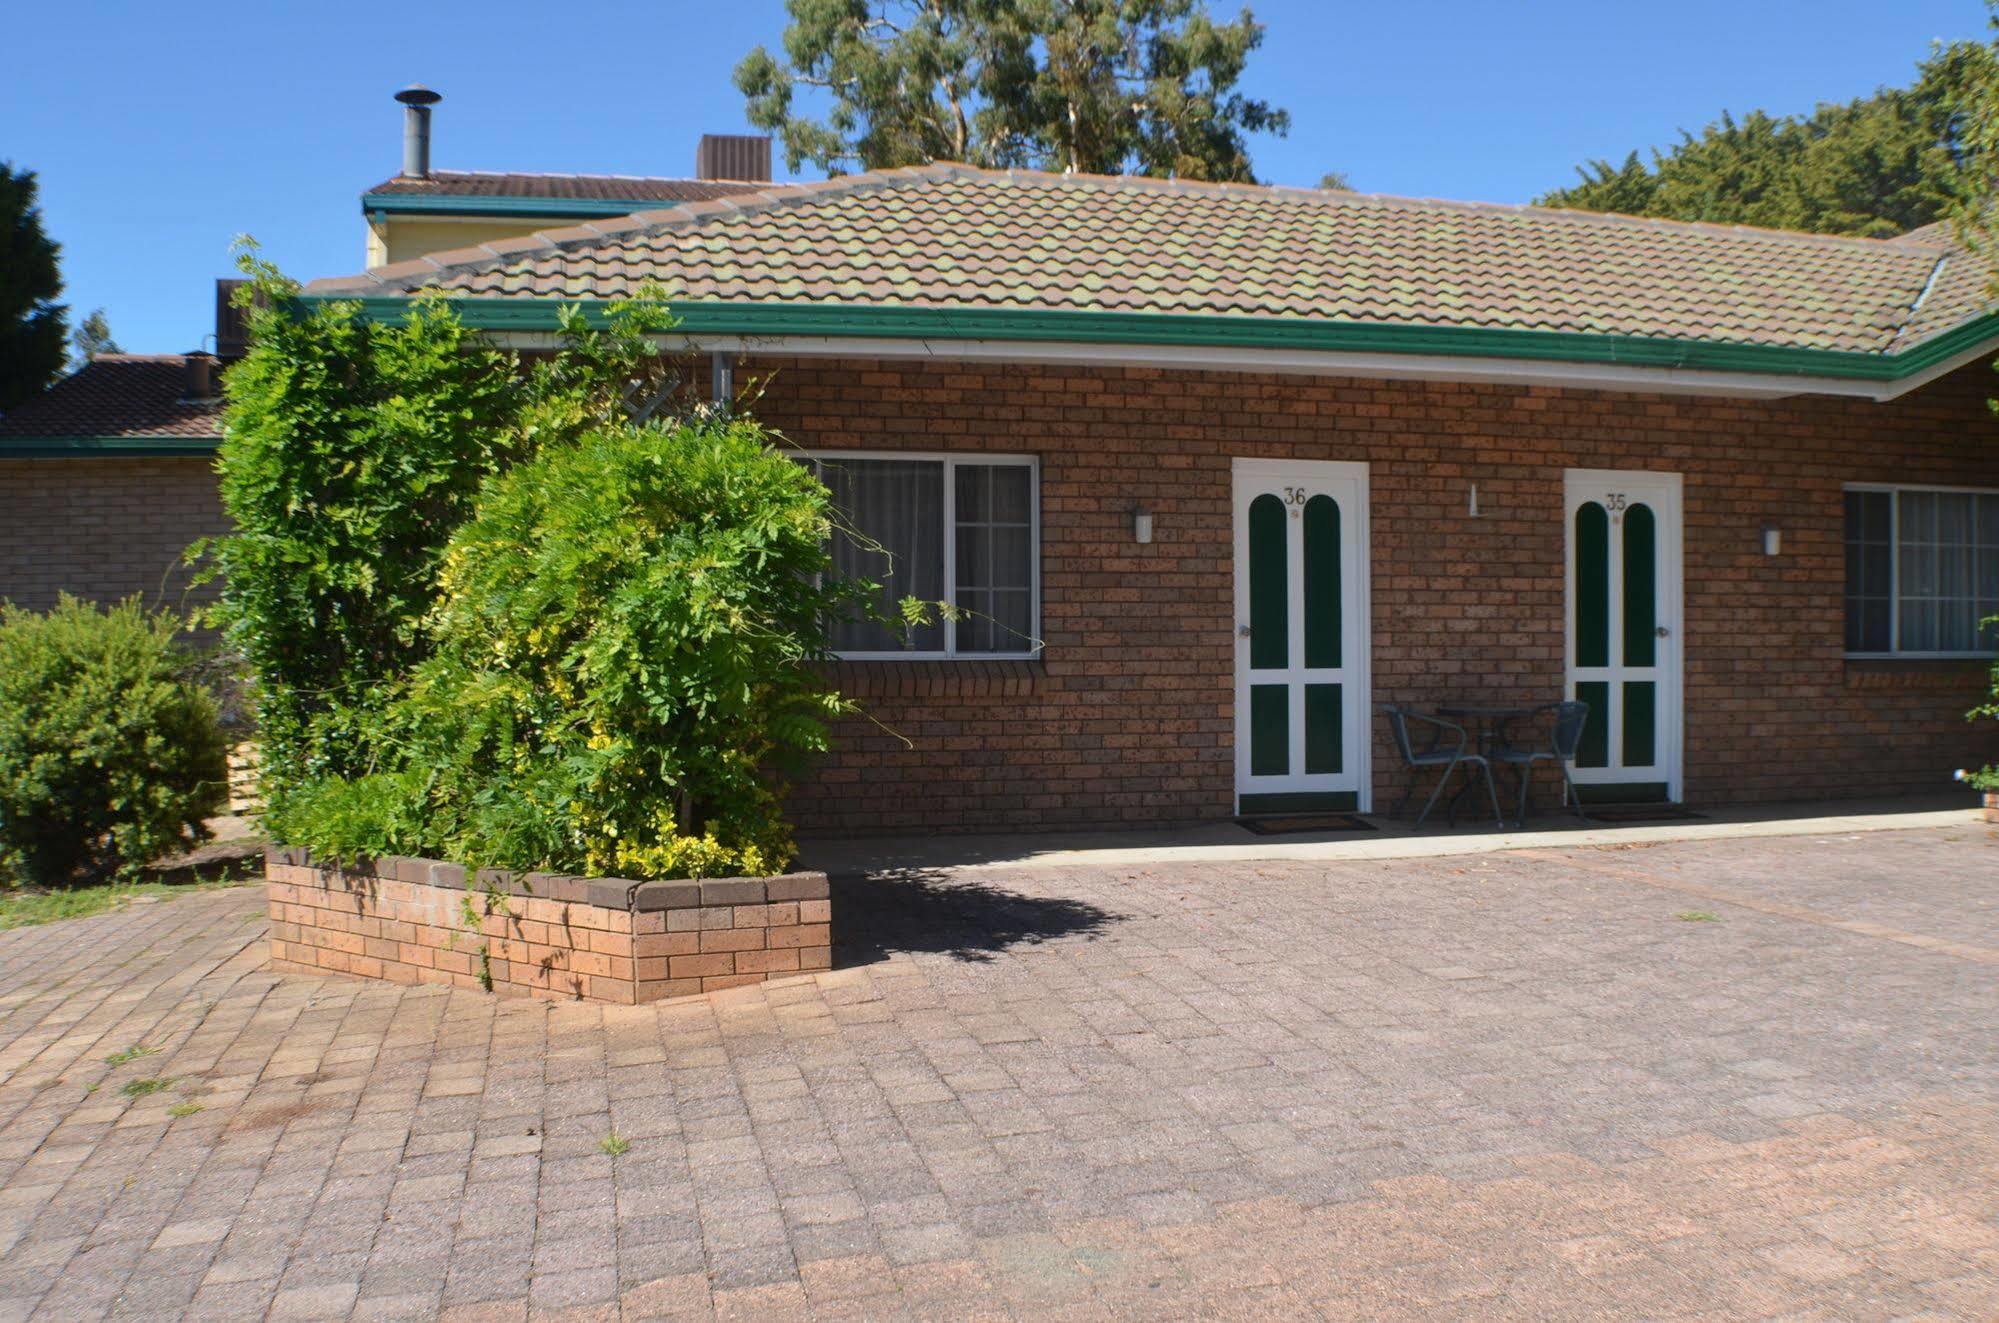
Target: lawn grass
(224, 864)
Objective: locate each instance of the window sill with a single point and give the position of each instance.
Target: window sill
(1917, 672)
(954, 677)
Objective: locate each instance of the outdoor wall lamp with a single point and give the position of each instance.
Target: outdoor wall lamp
(1773, 540)
(1141, 525)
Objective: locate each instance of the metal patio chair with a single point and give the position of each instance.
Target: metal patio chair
(1564, 734)
(1445, 749)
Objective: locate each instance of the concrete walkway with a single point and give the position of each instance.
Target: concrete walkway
(1226, 842)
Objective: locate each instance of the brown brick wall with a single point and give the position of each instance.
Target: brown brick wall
(103, 528)
(1128, 718)
(562, 937)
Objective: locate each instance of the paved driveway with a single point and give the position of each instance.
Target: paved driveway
(1538, 1084)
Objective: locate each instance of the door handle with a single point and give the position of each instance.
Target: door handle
(1663, 631)
(1242, 631)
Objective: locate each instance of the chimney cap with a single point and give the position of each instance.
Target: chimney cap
(741, 157)
(416, 94)
(198, 377)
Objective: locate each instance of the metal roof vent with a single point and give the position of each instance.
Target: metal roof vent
(417, 101)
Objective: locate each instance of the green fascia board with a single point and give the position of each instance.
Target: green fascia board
(122, 447)
(446, 204)
(1209, 331)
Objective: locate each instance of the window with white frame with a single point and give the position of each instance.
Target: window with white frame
(1922, 571)
(940, 528)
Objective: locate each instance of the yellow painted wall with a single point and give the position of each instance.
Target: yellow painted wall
(400, 238)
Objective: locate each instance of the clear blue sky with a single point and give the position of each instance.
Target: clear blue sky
(160, 131)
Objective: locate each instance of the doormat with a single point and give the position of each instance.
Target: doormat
(1299, 824)
(1615, 814)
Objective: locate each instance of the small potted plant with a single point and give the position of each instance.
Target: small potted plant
(1987, 781)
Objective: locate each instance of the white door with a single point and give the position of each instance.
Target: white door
(1624, 648)
(1301, 589)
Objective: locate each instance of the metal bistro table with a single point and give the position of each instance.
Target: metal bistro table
(1488, 724)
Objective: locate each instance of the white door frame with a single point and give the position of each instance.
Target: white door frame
(1347, 483)
(1664, 492)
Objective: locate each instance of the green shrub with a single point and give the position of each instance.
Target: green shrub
(352, 450)
(622, 665)
(1986, 778)
(495, 614)
(109, 756)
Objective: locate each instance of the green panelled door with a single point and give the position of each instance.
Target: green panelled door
(1299, 600)
(1324, 607)
(1623, 568)
(1269, 637)
(1641, 643)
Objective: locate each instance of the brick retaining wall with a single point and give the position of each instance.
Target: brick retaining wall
(598, 939)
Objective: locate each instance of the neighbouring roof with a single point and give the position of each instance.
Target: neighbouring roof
(121, 402)
(949, 251)
(633, 191)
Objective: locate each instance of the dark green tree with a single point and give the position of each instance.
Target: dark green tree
(1099, 86)
(33, 326)
(1876, 166)
(91, 338)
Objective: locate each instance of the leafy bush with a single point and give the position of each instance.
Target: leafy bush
(495, 613)
(352, 450)
(1987, 778)
(109, 756)
(622, 660)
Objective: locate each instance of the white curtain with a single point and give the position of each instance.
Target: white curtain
(896, 511)
(1948, 567)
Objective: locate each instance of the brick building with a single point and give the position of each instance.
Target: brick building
(1214, 470)
(106, 478)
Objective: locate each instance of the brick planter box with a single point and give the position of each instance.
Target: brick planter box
(1992, 806)
(597, 939)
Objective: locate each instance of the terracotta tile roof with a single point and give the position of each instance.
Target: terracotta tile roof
(118, 395)
(589, 188)
(950, 236)
(1937, 234)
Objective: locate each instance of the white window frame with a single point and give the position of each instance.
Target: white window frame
(1895, 653)
(951, 460)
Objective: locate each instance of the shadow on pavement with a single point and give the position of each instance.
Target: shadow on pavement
(878, 914)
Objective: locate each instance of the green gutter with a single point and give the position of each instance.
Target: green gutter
(448, 204)
(756, 320)
(123, 447)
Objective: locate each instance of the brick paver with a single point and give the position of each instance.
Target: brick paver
(1509, 1084)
